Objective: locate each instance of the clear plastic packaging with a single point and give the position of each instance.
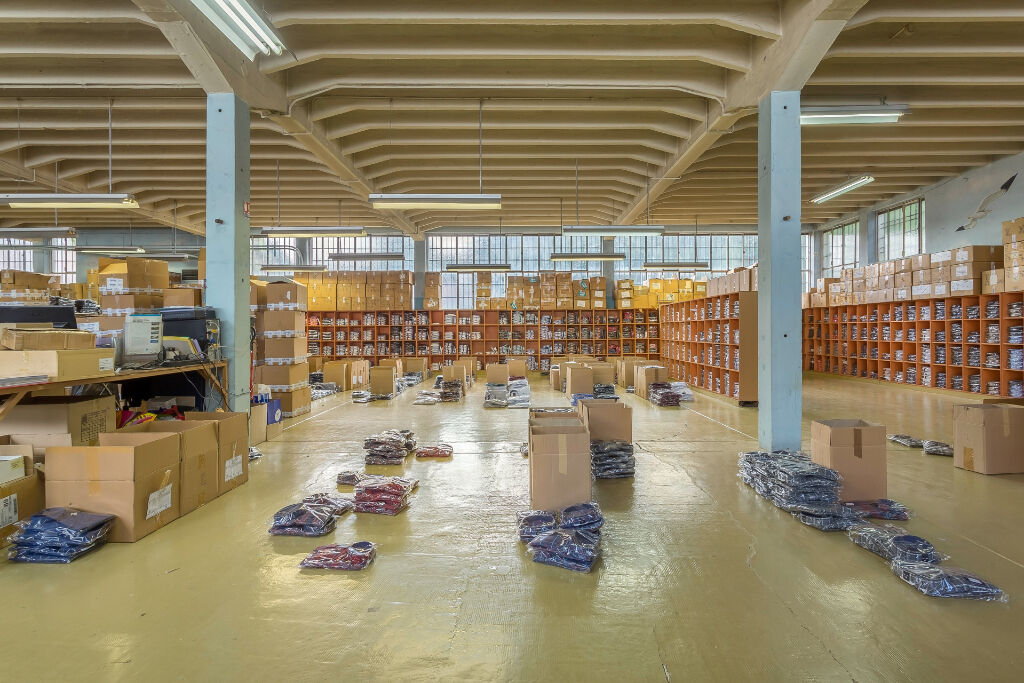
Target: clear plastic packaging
(532, 523)
(303, 519)
(255, 453)
(662, 395)
(350, 477)
(451, 391)
(58, 536)
(940, 581)
(791, 481)
(519, 393)
(352, 557)
(883, 508)
(937, 448)
(389, 447)
(828, 518)
(361, 397)
(383, 495)
(612, 459)
(427, 398)
(585, 516)
(576, 398)
(441, 450)
(892, 542)
(496, 395)
(338, 505)
(905, 440)
(574, 549)
(604, 391)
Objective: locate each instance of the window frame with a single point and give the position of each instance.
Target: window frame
(908, 218)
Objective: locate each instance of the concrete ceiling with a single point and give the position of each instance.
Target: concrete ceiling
(648, 99)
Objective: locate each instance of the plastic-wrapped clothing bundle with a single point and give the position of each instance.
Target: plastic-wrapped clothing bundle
(574, 549)
(519, 393)
(891, 542)
(338, 505)
(604, 391)
(383, 495)
(427, 398)
(937, 448)
(532, 523)
(411, 379)
(940, 581)
(586, 516)
(612, 459)
(548, 411)
(829, 518)
(685, 393)
(351, 477)
(441, 450)
(576, 398)
(496, 395)
(905, 440)
(58, 536)
(661, 395)
(316, 377)
(352, 557)
(388, 447)
(451, 391)
(796, 484)
(255, 453)
(883, 508)
(318, 391)
(303, 519)
(524, 449)
(361, 397)
(438, 381)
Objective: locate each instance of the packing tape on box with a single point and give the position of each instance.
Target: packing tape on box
(92, 472)
(563, 454)
(968, 458)
(286, 307)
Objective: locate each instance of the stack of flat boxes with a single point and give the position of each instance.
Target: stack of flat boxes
(282, 346)
(483, 291)
(1009, 278)
(20, 287)
(360, 290)
(129, 286)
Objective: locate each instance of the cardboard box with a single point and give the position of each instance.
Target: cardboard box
(555, 379)
(83, 418)
(285, 347)
(58, 366)
(339, 372)
(470, 365)
(987, 438)
(607, 420)
(497, 373)
(604, 373)
(18, 339)
(294, 402)
(1013, 279)
(395, 363)
(287, 294)
(516, 367)
(135, 476)
(921, 261)
(992, 281)
(184, 296)
(281, 321)
(232, 431)
(453, 373)
(645, 374)
(579, 380)
(382, 380)
(855, 449)
(971, 270)
(984, 253)
(22, 497)
(965, 287)
(559, 466)
(198, 450)
(414, 364)
(15, 461)
(257, 294)
(257, 424)
(21, 279)
(285, 375)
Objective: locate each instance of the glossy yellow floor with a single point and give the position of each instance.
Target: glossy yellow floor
(700, 579)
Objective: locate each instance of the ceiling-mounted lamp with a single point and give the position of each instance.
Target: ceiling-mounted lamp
(292, 268)
(842, 188)
(857, 114)
(285, 231)
(172, 256)
(242, 25)
(56, 200)
(676, 265)
(367, 256)
(614, 230)
(478, 267)
(545, 230)
(102, 249)
(457, 202)
(569, 256)
(37, 233)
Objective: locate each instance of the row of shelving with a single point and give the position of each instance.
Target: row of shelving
(712, 343)
(492, 336)
(973, 344)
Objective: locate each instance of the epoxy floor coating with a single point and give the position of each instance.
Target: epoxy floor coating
(700, 578)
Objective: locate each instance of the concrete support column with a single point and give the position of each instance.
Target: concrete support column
(867, 238)
(816, 256)
(608, 272)
(419, 269)
(227, 236)
(778, 305)
(41, 259)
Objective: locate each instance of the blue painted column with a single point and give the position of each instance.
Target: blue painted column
(867, 238)
(608, 272)
(227, 236)
(778, 303)
(419, 267)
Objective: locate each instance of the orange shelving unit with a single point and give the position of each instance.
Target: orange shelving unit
(973, 344)
(443, 336)
(711, 343)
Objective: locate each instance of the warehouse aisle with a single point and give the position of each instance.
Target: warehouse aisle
(700, 579)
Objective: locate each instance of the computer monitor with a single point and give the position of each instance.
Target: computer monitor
(62, 317)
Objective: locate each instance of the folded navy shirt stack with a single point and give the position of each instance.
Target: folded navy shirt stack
(574, 545)
(796, 484)
(59, 536)
(612, 459)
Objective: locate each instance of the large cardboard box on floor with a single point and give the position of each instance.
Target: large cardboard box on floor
(83, 418)
(497, 373)
(987, 438)
(626, 369)
(339, 372)
(607, 419)
(198, 449)
(294, 402)
(232, 447)
(559, 466)
(382, 380)
(455, 373)
(257, 424)
(415, 364)
(470, 365)
(135, 476)
(555, 378)
(516, 367)
(855, 449)
(395, 363)
(579, 379)
(604, 373)
(645, 374)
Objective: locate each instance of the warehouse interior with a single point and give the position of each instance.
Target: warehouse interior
(512, 341)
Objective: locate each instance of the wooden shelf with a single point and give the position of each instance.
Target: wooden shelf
(712, 343)
(925, 342)
(493, 336)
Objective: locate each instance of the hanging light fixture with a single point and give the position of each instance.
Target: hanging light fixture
(292, 268)
(614, 230)
(478, 267)
(288, 231)
(571, 256)
(842, 188)
(847, 115)
(367, 256)
(173, 254)
(116, 249)
(243, 26)
(37, 233)
(69, 201)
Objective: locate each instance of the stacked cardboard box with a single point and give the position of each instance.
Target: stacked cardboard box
(1012, 274)
(360, 290)
(282, 345)
(559, 447)
(347, 374)
(21, 287)
(432, 291)
(127, 286)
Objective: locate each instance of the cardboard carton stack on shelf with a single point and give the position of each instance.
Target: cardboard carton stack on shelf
(21, 287)
(282, 344)
(1009, 278)
(361, 290)
(432, 291)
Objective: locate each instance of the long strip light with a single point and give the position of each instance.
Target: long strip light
(288, 231)
(171, 256)
(37, 233)
(69, 201)
(367, 256)
(676, 265)
(824, 116)
(478, 267)
(614, 230)
(100, 249)
(458, 202)
(842, 189)
(292, 268)
(242, 25)
(569, 256)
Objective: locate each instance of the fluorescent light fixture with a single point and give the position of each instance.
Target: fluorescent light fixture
(824, 116)
(287, 231)
(458, 202)
(242, 25)
(69, 201)
(552, 230)
(477, 267)
(171, 256)
(292, 268)
(37, 233)
(99, 249)
(676, 265)
(377, 256)
(569, 256)
(614, 230)
(842, 189)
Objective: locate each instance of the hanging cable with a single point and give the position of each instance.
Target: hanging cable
(480, 143)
